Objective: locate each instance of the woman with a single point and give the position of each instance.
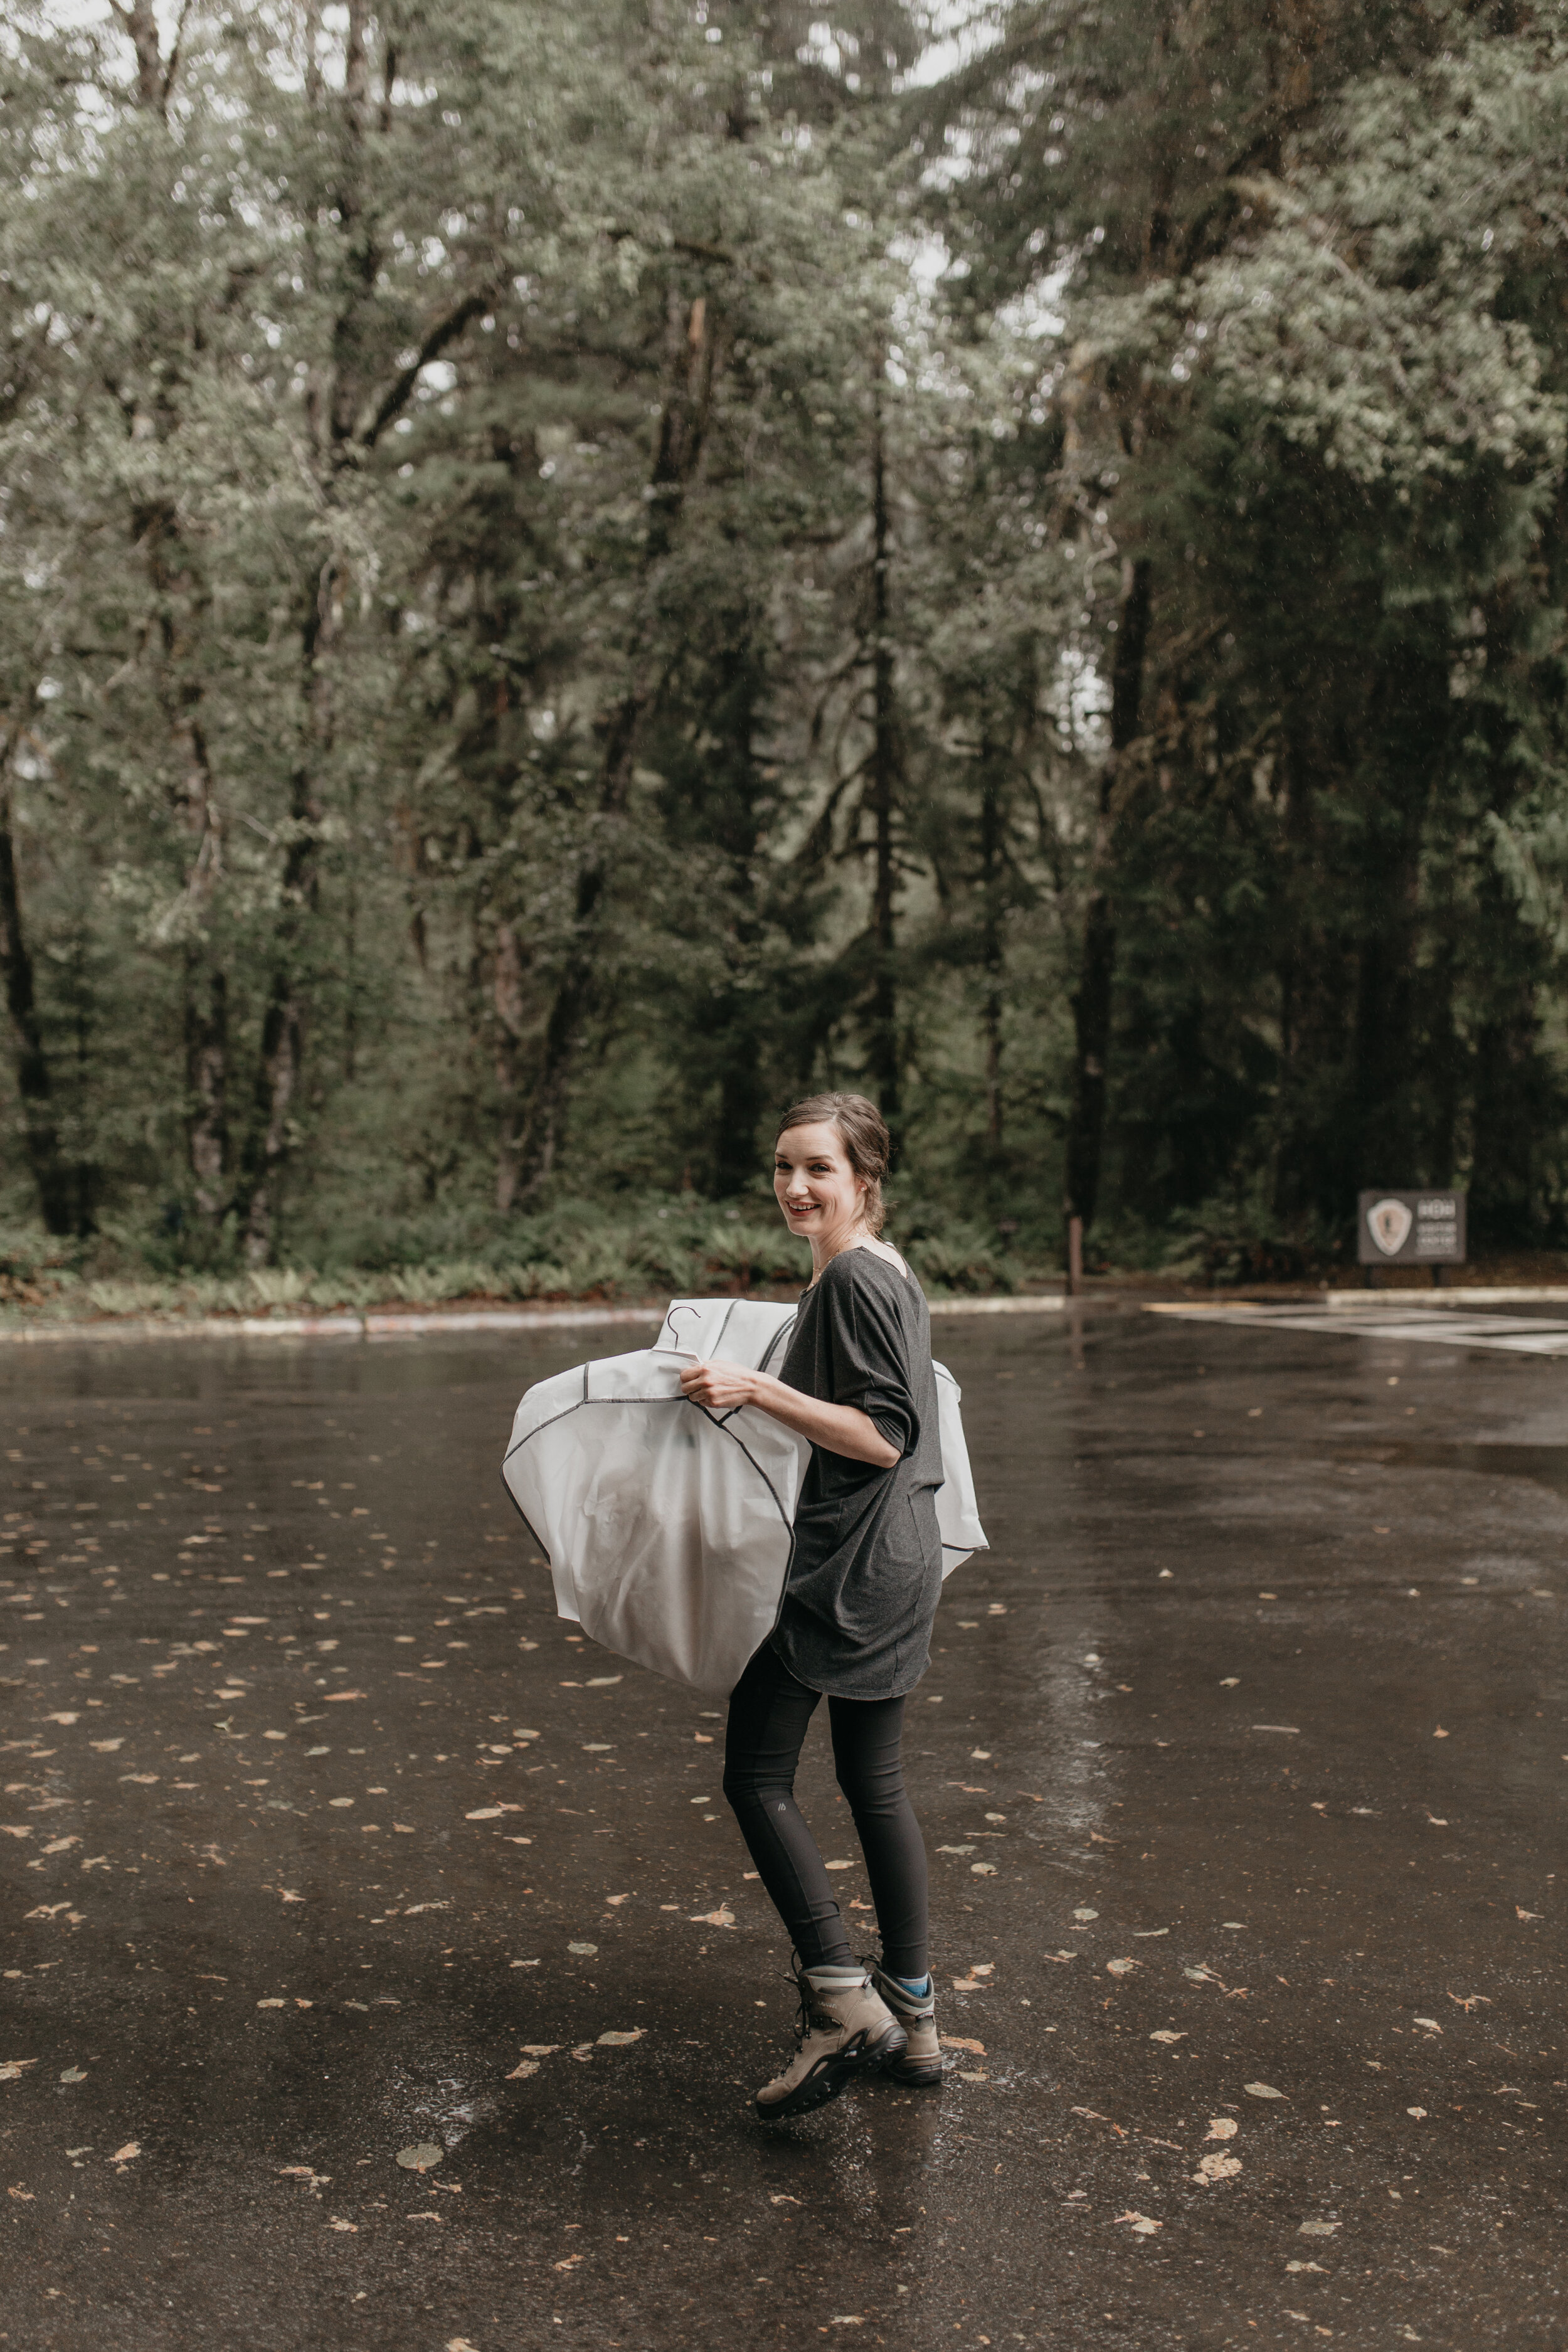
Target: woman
(864, 1578)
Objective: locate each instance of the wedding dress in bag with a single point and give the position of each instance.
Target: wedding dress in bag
(668, 1525)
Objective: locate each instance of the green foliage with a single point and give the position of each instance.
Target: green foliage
(536, 622)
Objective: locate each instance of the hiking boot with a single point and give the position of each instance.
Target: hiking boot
(920, 2063)
(844, 2028)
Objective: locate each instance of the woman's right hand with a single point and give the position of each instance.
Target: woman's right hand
(720, 1387)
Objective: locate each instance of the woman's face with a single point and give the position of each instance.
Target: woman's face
(817, 1190)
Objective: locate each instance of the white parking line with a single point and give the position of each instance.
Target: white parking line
(1513, 1334)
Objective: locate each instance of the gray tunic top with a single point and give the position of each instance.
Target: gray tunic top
(866, 1570)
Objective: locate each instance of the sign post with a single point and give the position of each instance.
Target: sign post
(1411, 1229)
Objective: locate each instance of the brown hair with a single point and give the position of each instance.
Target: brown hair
(863, 1132)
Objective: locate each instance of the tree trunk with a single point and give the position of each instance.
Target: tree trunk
(682, 428)
(1510, 1101)
(60, 1201)
(205, 983)
(991, 940)
(154, 80)
(882, 1055)
(1408, 737)
(283, 1028)
(507, 994)
(1091, 999)
(206, 1079)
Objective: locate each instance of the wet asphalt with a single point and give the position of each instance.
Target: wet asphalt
(381, 1969)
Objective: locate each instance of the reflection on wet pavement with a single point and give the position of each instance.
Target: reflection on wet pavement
(382, 1969)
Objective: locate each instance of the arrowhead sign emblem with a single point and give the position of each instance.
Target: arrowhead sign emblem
(1389, 1224)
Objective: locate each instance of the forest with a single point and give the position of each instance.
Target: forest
(569, 574)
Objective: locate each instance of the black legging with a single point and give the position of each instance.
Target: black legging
(769, 1711)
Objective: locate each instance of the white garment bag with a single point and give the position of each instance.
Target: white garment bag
(667, 1527)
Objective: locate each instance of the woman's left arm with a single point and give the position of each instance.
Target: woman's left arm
(838, 1428)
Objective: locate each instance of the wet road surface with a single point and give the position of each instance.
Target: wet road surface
(381, 1973)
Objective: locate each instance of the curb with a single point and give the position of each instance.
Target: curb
(374, 1325)
(1355, 1302)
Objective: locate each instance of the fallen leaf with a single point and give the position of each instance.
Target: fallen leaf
(1318, 2229)
(570, 2264)
(541, 2049)
(779, 2198)
(23, 2196)
(1086, 1915)
(62, 1718)
(335, 1698)
(337, 2222)
(524, 2068)
(1307, 2267)
(1429, 2023)
(423, 2157)
(722, 1918)
(273, 2004)
(123, 2154)
(1164, 2033)
(1262, 2091)
(584, 1951)
(1222, 2127)
(74, 2074)
(1141, 2225)
(1521, 1912)
(953, 2041)
(983, 1869)
(1216, 2168)
(620, 2041)
(1419, 2113)
(13, 2069)
(1440, 1733)
(1120, 1968)
(1061, 1956)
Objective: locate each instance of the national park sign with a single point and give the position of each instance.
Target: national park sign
(1400, 1228)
